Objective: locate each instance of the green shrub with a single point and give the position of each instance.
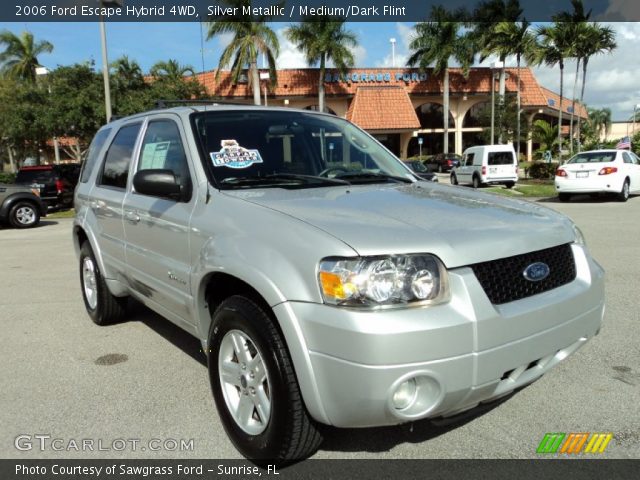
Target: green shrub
(6, 177)
(542, 170)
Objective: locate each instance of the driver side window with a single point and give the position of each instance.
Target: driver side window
(469, 159)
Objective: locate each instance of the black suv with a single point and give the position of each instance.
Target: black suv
(56, 183)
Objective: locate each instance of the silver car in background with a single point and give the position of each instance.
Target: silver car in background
(326, 282)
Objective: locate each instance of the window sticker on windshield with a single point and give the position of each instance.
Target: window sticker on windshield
(233, 155)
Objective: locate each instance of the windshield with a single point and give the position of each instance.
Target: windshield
(417, 167)
(593, 157)
(256, 149)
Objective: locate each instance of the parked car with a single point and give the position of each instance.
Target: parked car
(55, 182)
(487, 164)
(421, 171)
(20, 207)
(443, 162)
(599, 171)
(327, 285)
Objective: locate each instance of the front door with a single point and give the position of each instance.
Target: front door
(157, 229)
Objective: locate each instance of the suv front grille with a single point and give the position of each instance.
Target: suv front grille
(503, 279)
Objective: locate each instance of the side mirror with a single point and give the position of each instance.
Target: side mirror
(158, 183)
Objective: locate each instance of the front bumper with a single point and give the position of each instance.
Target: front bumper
(462, 353)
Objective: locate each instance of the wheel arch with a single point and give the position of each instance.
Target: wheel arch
(14, 198)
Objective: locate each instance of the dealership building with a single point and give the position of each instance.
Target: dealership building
(400, 106)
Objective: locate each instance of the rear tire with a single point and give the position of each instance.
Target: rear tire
(509, 184)
(454, 179)
(623, 196)
(255, 387)
(24, 215)
(476, 182)
(102, 307)
(564, 197)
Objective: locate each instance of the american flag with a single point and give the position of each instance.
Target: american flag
(625, 142)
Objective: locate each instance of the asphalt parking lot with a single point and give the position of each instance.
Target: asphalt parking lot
(146, 379)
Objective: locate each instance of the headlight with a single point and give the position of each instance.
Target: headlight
(376, 281)
(579, 236)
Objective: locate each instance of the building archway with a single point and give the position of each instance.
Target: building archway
(473, 117)
(430, 116)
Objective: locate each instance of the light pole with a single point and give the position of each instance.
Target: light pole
(420, 148)
(56, 147)
(393, 52)
(494, 66)
(105, 57)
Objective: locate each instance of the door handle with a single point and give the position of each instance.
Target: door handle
(95, 205)
(131, 216)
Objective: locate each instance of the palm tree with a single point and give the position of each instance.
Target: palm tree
(20, 56)
(555, 44)
(577, 22)
(127, 74)
(171, 70)
(485, 20)
(324, 40)
(597, 40)
(436, 42)
(545, 134)
(599, 121)
(519, 41)
(251, 37)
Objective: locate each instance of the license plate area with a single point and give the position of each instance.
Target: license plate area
(582, 174)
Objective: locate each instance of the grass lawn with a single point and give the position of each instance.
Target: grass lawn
(62, 214)
(527, 188)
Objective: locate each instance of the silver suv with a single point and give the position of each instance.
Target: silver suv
(328, 284)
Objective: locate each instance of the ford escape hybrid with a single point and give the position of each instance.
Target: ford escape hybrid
(328, 284)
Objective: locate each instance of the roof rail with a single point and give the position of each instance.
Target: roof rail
(203, 101)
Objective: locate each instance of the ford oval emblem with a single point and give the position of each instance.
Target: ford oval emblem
(536, 272)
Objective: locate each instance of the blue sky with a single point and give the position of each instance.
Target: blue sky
(612, 82)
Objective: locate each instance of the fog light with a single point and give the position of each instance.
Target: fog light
(405, 394)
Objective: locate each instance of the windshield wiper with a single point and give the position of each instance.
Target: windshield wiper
(282, 179)
(309, 178)
(371, 177)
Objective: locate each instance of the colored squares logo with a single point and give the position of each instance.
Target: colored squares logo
(574, 443)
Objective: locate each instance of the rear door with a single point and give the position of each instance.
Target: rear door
(107, 197)
(501, 165)
(157, 228)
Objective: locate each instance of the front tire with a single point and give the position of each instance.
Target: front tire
(24, 215)
(623, 196)
(255, 387)
(454, 179)
(102, 307)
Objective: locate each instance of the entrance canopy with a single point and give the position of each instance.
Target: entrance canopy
(382, 108)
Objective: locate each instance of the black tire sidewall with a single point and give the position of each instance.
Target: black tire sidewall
(14, 221)
(95, 313)
(266, 445)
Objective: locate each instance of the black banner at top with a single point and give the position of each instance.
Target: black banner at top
(286, 10)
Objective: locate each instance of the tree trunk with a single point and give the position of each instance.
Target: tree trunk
(501, 94)
(560, 113)
(584, 79)
(321, 84)
(445, 108)
(573, 106)
(12, 163)
(518, 111)
(255, 79)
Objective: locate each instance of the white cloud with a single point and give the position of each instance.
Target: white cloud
(619, 10)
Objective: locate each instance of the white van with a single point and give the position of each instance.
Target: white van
(487, 164)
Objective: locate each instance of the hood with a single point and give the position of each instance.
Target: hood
(457, 224)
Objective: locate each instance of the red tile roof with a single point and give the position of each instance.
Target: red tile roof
(304, 82)
(382, 108)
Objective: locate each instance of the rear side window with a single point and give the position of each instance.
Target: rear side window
(116, 164)
(500, 158)
(35, 176)
(626, 157)
(92, 155)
